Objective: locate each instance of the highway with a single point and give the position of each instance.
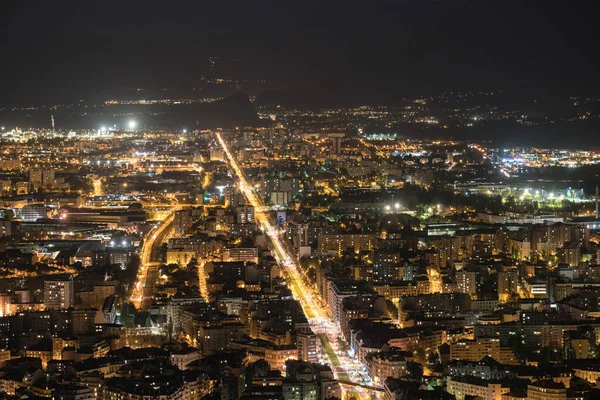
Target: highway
(150, 262)
(344, 367)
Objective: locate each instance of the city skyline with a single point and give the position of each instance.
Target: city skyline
(383, 200)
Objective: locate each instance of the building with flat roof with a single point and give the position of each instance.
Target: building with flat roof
(59, 292)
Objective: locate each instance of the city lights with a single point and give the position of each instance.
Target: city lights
(317, 316)
(187, 214)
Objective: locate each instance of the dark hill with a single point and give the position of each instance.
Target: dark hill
(233, 111)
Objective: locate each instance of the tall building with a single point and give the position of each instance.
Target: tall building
(84, 320)
(48, 178)
(183, 222)
(280, 198)
(291, 185)
(217, 155)
(466, 282)
(307, 344)
(5, 303)
(338, 290)
(354, 307)
(571, 254)
(59, 293)
(387, 266)
(36, 177)
(339, 243)
(245, 214)
(336, 142)
(336, 145)
(42, 178)
(298, 234)
(508, 283)
(577, 344)
(243, 254)
(475, 350)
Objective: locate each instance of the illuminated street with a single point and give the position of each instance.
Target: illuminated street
(149, 263)
(345, 368)
(300, 201)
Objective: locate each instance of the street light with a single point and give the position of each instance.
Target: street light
(132, 124)
(397, 206)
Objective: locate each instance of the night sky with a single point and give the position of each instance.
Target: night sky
(61, 50)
